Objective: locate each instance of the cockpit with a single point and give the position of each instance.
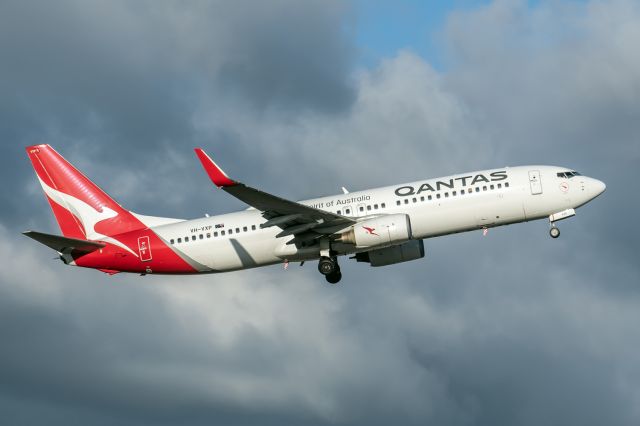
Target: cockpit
(568, 174)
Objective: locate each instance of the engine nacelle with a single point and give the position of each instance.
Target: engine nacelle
(384, 230)
(411, 250)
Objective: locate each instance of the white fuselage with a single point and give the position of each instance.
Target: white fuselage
(435, 207)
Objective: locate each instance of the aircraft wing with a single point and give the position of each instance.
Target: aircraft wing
(64, 244)
(304, 222)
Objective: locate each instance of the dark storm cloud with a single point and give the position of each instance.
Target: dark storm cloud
(512, 328)
(121, 81)
(292, 56)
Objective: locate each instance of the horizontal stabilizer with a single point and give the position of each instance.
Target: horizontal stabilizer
(64, 244)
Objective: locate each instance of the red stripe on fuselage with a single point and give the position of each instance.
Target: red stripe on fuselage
(164, 259)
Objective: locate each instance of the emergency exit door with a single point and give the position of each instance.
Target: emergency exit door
(534, 181)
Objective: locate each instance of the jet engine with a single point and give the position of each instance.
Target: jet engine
(411, 250)
(381, 231)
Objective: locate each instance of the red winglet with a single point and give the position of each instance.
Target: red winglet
(217, 176)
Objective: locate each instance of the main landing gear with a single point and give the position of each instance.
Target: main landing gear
(328, 266)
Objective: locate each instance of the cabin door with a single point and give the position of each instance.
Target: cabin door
(534, 182)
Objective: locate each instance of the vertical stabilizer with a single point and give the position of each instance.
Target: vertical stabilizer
(81, 208)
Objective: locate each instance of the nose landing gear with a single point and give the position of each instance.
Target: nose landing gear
(328, 266)
(553, 218)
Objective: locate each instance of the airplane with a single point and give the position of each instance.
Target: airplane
(380, 226)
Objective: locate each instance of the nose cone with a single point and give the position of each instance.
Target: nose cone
(599, 186)
(594, 187)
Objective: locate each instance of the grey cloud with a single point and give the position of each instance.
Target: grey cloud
(549, 88)
(403, 121)
(121, 81)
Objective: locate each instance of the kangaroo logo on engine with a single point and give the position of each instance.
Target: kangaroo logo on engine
(370, 230)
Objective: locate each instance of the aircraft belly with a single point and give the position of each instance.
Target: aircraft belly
(463, 215)
(537, 207)
(438, 220)
(234, 253)
(500, 210)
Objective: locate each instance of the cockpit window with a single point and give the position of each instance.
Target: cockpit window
(568, 174)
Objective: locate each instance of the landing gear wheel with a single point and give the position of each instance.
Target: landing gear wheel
(327, 266)
(554, 232)
(334, 278)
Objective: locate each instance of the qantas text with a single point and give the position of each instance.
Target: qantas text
(452, 183)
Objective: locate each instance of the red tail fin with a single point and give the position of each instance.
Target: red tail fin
(81, 208)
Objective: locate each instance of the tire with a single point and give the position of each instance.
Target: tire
(334, 278)
(554, 232)
(326, 266)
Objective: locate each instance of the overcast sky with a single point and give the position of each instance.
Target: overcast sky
(301, 98)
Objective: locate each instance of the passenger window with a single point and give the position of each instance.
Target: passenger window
(398, 202)
(339, 212)
(382, 205)
(215, 234)
(499, 185)
(453, 193)
(484, 188)
(347, 211)
(361, 208)
(506, 184)
(244, 229)
(438, 196)
(368, 207)
(253, 227)
(422, 198)
(375, 207)
(230, 231)
(179, 240)
(208, 235)
(193, 238)
(171, 241)
(491, 187)
(478, 189)
(415, 200)
(222, 233)
(406, 201)
(462, 192)
(429, 197)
